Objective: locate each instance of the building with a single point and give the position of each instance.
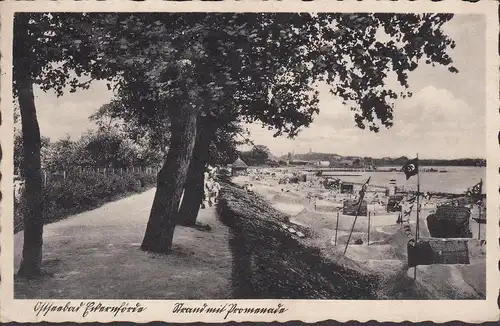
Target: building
(345, 163)
(238, 167)
(324, 164)
(298, 162)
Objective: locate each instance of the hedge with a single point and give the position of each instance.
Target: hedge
(82, 192)
(270, 263)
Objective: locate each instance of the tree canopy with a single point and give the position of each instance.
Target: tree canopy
(257, 66)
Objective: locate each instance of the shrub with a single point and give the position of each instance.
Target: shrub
(81, 192)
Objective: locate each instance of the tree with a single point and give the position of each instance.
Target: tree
(46, 48)
(45, 144)
(266, 66)
(23, 87)
(258, 67)
(258, 155)
(213, 146)
(279, 61)
(60, 155)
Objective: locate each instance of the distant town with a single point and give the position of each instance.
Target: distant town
(257, 156)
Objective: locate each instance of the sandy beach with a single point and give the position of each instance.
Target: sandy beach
(311, 205)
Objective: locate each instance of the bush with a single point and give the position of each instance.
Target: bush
(82, 192)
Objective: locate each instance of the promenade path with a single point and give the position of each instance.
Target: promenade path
(96, 255)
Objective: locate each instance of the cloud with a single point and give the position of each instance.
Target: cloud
(432, 122)
(437, 110)
(69, 114)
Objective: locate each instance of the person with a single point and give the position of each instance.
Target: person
(250, 188)
(400, 219)
(215, 190)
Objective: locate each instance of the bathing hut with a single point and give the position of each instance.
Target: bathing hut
(239, 167)
(393, 204)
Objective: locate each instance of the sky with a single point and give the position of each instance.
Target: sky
(445, 117)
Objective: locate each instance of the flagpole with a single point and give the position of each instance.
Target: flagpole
(361, 197)
(480, 211)
(417, 232)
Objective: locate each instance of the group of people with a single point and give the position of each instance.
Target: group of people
(211, 188)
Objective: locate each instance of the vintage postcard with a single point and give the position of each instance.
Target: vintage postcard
(249, 161)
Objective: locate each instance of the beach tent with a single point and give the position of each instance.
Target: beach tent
(346, 188)
(350, 206)
(450, 222)
(239, 167)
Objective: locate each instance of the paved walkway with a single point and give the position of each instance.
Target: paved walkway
(96, 255)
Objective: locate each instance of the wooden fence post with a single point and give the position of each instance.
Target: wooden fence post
(337, 227)
(369, 216)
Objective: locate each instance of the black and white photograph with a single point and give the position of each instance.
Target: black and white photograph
(191, 156)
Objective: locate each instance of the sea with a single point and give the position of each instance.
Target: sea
(456, 179)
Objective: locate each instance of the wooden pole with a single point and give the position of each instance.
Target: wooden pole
(479, 224)
(356, 217)
(369, 216)
(417, 232)
(480, 210)
(44, 178)
(337, 227)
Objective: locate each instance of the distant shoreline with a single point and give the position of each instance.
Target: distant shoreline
(336, 159)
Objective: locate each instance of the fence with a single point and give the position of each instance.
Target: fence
(66, 193)
(47, 176)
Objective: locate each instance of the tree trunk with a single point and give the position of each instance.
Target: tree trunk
(170, 183)
(193, 197)
(195, 182)
(33, 219)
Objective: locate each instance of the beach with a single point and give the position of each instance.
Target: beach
(311, 205)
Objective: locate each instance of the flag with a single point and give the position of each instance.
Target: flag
(410, 168)
(365, 186)
(475, 192)
(362, 191)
